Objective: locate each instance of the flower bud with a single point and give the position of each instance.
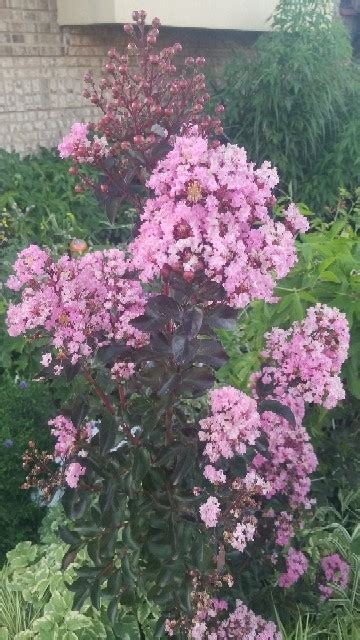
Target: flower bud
(104, 188)
(78, 188)
(156, 23)
(125, 146)
(73, 171)
(189, 61)
(135, 16)
(200, 61)
(122, 69)
(128, 28)
(219, 108)
(153, 59)
(142, 15)
(78, 247)
(138, 140)
(112, 53)
(189, 276)
(151, 39)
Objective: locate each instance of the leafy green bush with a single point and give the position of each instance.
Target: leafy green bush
(38, 201)
(294, 99)
(35, 603)
(23, 414)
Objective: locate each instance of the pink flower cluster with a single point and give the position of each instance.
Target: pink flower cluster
(232, 426)
(241, 623)
(305, 360)
(80, 303)
(336, 571)
(302, 365)
(289, 461)
(296, 565)
(210, 213)
(77, 146)
(284, 528)
(69, 442)
(210, 511)
(243, 533)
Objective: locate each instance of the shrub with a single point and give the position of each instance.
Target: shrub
(184, 499)
(294, 99)
(35, 602)
(24, 407)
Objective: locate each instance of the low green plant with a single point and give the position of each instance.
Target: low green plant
(35, 603)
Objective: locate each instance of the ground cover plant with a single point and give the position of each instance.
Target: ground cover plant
(190, 496)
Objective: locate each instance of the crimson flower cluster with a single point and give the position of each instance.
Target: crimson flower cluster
(144, 102)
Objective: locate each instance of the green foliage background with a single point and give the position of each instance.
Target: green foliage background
(294, 99)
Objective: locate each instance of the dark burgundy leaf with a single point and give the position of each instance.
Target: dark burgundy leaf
(222, 317)
(280, 409)
(192, 322)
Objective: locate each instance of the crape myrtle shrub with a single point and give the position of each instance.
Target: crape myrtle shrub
(174, 485)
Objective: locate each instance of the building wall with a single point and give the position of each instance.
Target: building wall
(42, 66)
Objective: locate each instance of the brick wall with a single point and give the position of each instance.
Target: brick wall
(42, 66)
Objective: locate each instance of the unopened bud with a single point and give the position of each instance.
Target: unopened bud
(128, 28)
(78, 247)
(189, 276)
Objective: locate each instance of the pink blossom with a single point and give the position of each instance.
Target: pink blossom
(76, 137)
(30, 264)
(232, 426)
(336, 571)
(67, 435)
(295, 220)
(210, 213)
(81, 304)
(122, 370)
(284, 528)
(73, 473)
(210, 511)
(215, 476)
(245, 624)
(296, 565)
(243, 534)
